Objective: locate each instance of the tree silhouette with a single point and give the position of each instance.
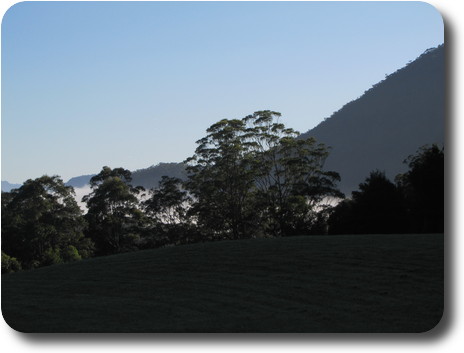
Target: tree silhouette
(113, 215)
(289, 177)
(42, 223)
(167, 209)
(423, 186)
(220, 179)
(377, 208)
(253, 176)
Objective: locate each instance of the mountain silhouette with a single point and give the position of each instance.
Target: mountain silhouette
(389, 122)
(80, 181)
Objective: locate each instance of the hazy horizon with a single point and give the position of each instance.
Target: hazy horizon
(134, 84)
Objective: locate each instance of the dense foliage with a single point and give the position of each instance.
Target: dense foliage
(254, 177)
(10, 264)
(423, 187)
(113, 215)
(414, 205)
(42, 224)
(376, 208)
(167, 211)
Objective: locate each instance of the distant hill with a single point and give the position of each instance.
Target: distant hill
(80, 181)
(150, 177)
(7, 187)
(147, 177)
(388, 123)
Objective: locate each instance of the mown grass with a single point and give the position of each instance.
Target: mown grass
(351, 283)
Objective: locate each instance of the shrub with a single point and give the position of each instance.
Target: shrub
(70, 253)
(51, 256)
(9, 264)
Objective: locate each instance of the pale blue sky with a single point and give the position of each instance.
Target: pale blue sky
(133, 84)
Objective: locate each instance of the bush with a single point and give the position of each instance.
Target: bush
(70, 253)
(9, 264)
(51, 256)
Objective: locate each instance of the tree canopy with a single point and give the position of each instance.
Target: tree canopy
(415, 204)
(167, 211)
(376, 208)
(424, 189)
(42, 224)
(113, 214)
(253, 176)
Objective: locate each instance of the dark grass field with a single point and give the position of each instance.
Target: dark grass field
(351, 283)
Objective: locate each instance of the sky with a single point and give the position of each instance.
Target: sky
(89, 84)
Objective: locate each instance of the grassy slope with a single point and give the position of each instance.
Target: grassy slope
(380, 283)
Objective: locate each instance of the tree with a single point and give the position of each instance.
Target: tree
(290, 180)
(376, 208)
(167, 204)
(167, 208)
(40, 221)
(220, 179)
(254, 175)
(113, 214)
(423, 186)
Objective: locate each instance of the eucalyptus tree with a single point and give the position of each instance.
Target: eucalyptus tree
(113, 214)
(167, 208)
(291, 182)
(42, 223)
(167, 204)
(220, 180)
(254, 175)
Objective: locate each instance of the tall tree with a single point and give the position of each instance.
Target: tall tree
(290, 178)
(167, 208)
(376, 208)
(113, 214)
(254, 175)
(423, 186)
(220, 179)
(168, 203)
(42, 223)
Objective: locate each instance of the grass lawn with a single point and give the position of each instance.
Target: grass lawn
(349, 283)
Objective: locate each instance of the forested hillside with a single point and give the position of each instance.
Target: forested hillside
(388, 123)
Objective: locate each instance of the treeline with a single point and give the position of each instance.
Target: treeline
(413, 204)
(249, 177)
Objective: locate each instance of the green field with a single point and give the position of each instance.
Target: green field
(350, 283)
